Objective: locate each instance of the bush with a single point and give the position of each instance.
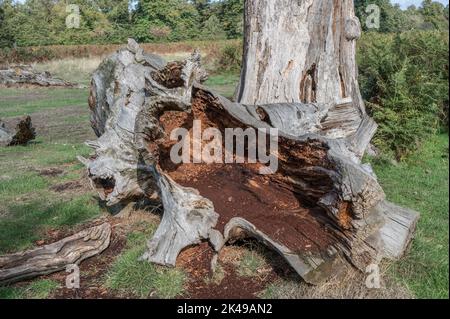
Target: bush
(230, 58)
(404, 80)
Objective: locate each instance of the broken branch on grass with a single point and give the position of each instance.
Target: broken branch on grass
(54, 257)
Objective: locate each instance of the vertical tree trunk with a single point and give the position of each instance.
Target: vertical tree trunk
(302, 51)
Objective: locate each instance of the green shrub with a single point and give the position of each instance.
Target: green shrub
(230, 58)
(404, 80)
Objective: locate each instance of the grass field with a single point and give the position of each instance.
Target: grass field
(44, 191)
(422, 183)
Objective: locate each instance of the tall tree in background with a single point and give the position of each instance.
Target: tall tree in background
(231, 13)
(211, 24)
(169, 20)
(392, 18)
(7, 38)
(117, 11)
(435, 14)
(204, 8)
(42, 22)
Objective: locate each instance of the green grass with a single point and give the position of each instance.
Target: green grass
(422, 183)
(28, 208)
(142, 279)
(28, 101)
(22, 184)
(42, 154)
(26, 222)
(39, 289)
(224, 84)
(251, 261)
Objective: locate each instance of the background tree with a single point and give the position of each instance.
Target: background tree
(167, 20)
(231, 13)
(7, 11)
(392, 18)
(435, 14)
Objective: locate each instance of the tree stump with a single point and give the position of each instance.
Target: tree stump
(21, 135)
(321, 208)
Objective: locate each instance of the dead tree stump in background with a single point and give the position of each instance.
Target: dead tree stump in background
(21, 135)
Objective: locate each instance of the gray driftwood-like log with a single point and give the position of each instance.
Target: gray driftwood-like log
(19, 75)
(120, 89)
(54, 257)
(321, 208)
(20, 135)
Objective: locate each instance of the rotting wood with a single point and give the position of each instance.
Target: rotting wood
(54, 257)
(321, 207)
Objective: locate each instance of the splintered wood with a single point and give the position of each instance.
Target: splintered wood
(321, 208)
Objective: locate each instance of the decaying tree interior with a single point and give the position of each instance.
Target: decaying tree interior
(322, 208)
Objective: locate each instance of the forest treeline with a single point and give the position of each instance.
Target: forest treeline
(43, 22)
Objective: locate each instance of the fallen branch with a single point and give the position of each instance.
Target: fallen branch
(25, 75)
(55, 257)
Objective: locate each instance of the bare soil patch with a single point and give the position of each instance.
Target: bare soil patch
(68, 186)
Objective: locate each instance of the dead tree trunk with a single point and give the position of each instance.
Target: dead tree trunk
(303, 52)
(320, 208)
(25, 75)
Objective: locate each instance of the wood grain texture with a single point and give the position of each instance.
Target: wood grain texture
(303, 52)
(336, 207)
(54, 257)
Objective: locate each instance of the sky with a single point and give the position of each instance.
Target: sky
(406, 3)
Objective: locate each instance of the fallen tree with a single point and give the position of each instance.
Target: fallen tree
(21, 135)
(54, 257)
(321, 208)
(20, 75)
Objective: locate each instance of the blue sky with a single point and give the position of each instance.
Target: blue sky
(406, 3)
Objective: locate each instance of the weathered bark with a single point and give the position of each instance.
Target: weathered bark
(303, 52)
(321, 205)
(19, 75)
(120, 89)
(54, 257)
(21, 135)
(320, 208)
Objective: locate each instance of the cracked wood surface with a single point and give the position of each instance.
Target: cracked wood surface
(322, 207)
(54, 257)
